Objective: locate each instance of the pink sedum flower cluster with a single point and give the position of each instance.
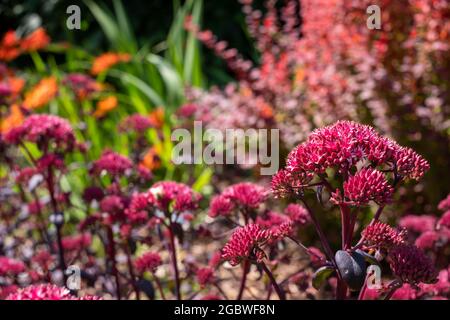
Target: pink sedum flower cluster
(149, 261)
(46, 292)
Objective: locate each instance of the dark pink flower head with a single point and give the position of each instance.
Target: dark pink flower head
(366, 185)
(220, 206)
(297, 213)
(381, 235)
(112, 163)
(46, 292)
(77, 242)
(344, 144)
(215, 259)
(418, 224)
(137, 211)
(444, 205)
(411, 265)
(246, 243)
(11, 267)
(170, 195)
(205, 276)
(444, 221)
(149, 261)
(246, 195)
(45, 130)
(285, 183)
(410, 164)
(136, 123)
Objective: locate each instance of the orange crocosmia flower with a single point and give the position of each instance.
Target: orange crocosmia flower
(151, 159)
(107, 60)
(105, 105)
(41, 94)
(36, 40)
(14, 119)
(16, 84)
(157, 118)
(9, 46)
(266, 111)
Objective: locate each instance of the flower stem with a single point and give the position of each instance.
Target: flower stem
(245, 270)
(173, 252)
(112, 257)
(278, 290)
(158, 284)
(131, 271)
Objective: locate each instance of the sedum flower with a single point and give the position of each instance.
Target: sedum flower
(366, 185)
(411, 265)
(381, 235)
(205, 276)
(46, 292)
(113, 163)
(246, 243)
(149, 261)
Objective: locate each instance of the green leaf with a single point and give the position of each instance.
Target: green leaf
(321, 275)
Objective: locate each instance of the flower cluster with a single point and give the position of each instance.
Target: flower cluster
(11, 46)
(45, 130)
(149, 261)
(46, 292)
(105, 61)
(243, 196)
(112, 163)
(411, 265)
(9, 266)
(381, 235)
(246, 243)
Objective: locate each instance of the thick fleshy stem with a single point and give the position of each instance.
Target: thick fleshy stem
(245, 270)
(280, 292)
(173, 252)
(111, 250)
(54, 204)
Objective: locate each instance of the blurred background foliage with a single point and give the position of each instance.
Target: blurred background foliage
(150, 22)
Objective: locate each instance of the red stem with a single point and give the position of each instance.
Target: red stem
(111, 249)
(245, 270)
(173, 252)
(158, 284)
(131, 271)
(278, 290)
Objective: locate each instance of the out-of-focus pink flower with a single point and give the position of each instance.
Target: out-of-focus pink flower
(444, 205)
(418, 224)
(427, 240)
(444, 221)
(246, 195)
(11, 267)
(205, 276)
(112, 163)
(381, 235)
(220, 206)
(297, 214)
(149, 261)
(405, 292)
(46, 292)
(285, 182)
(365, 186)
(45, 130)
(77, 242)
(411, 265)
(215, 259)
(135, 123)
